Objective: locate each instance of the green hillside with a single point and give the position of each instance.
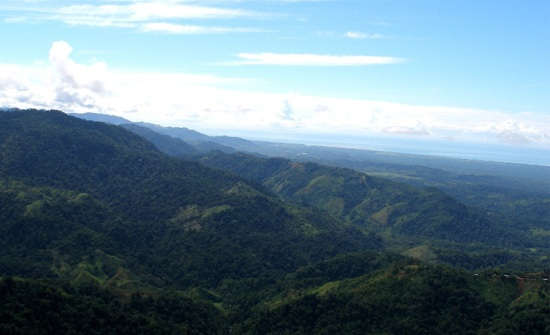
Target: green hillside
(31, 307)
(409, 298)
(164, 143)
(372, 202)
(513, 193)
(72, 187)
(102, 233)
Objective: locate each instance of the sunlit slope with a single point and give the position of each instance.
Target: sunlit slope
(373, 202)
(406, 297)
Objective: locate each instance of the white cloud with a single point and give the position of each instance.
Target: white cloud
(360, 35)
(133, 14)
(151, 10)
(70, 86)
(204, 102)
(311, 60)
(192, 29)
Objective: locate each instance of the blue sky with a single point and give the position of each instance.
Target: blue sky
(460, 71)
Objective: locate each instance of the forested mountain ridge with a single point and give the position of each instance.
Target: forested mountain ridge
(516, 193)
(352, 196)
(164, 143)
(158, 208)
(433, 169)
(411, 298)
(516, 206)
(433, 209)
(201, 142)
(38, 307)
(110, 119)
(361, 199)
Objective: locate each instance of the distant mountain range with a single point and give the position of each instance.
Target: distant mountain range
(111, 119)
(359, 158)
(373, 202)
(509, 192)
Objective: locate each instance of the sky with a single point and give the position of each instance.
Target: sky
(446, 73)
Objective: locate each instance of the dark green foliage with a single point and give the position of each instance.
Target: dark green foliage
(133, 241)
(36, 308)
(200, 142)
(37, 221)
(111, 119)
(344, 266)
(186, 134)
(433, 168)
(52, 149)
(407, 299)
(168, 221)
(374, 202)
(533, 319)
(513, 193)
(167, 144)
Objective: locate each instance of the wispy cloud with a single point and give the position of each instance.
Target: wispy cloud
(15, 19)
(311, 60)
(361, 35)
(146, 11)
(142, 15)
(193, 29)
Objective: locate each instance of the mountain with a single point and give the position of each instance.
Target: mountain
(34, 307)
(7, 109)
(515, 193)
(367, 200)
(373, 202)
(512, 191)
(201, 142)
(377, 303)
(236, 143)
(185, 134)
(169, 145)
(102, 233)
(78, 196)
(105, 118)
(522, 176)
(516, 205)
(410, 298)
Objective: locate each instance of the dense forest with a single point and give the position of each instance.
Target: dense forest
(130, 229)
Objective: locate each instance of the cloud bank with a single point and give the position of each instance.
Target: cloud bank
(206, 102)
